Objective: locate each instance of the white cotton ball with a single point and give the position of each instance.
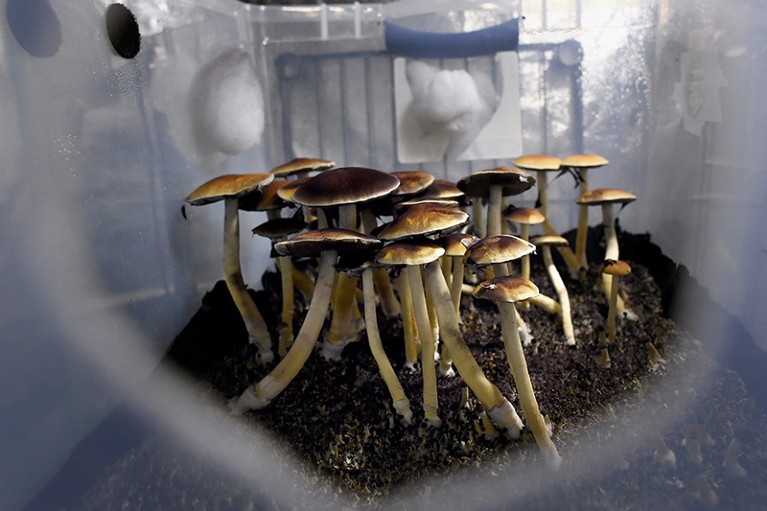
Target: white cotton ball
(227, 104)
(444, 99)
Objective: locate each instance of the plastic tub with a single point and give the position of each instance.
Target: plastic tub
(101, 269)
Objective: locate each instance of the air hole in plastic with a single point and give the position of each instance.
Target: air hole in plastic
(123, 31)
(35, 26)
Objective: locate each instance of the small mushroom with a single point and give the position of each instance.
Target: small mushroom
(498, 407)
(495, 184)
(581, 163)
(545, 243)
(278, 229)
(410, 257)
(326, 243)
(525, 217)
(506, 290)
(540, 164)
(230, 188)
(343, 189)
(494, 252)
(616, 269)
(400, 401)
(606, 198)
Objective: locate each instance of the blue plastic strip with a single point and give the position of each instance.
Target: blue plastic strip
(435, 45)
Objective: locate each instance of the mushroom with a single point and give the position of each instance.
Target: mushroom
(327, 243)
(524, 217)
(229, 188)
(419, 221)
(267, 199)
(545, 243)
(506, 290)
(411, 256)
(498, 407)
(494, 185)
(343, 188)
(541, 164)
(428, 220)
(494, 252)
(278, 229)
(615, 269)
(400, 401)
(411, 182)
(581, 163)
(455, 248)
(606, 197)
(301, 169)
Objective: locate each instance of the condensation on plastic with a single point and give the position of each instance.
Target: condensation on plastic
(100, 270)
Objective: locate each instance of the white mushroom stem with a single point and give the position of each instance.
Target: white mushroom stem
(566, 252)
(516, 357)
(543, 194)
(494, 210)
(389, 304)
(499, 270)
(456, 284)
(613, 311)
(477, 211)
(612, 251)
(343, 326)
(259, 395)
(498, 407)
(581, 236)
(545, 303)
(401, 403)
(525, 265)
(611, 238)
(433, 321)
(562, 295)
(446, 263)
(254, 322)
(428, 346)
(288, 295)
(409, 329)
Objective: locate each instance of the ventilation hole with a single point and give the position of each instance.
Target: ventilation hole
(35, 26)
(123, 31)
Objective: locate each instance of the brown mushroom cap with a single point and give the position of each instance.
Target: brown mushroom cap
(458, 243)
(287, 190)
(616, 268)
(264, 199)
(400, 206)
(528, 216)
(423, 220)
(513, 182)
(538, 162)
(551, 240)
(345, 185)
(584, 161)
(497, 249)
(311, 243)
(227, 186)
(298, 165)
(412, 182)
(409, 254)
(506, 289)
(279, 227)
(605, 195)
(442, 189)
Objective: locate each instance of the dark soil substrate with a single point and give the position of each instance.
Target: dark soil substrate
(338, 418)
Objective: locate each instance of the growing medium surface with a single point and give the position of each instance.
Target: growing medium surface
(337, 417)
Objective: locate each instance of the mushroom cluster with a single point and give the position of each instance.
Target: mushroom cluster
(411, 245)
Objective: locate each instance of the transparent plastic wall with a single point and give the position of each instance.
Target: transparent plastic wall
(101, 269)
